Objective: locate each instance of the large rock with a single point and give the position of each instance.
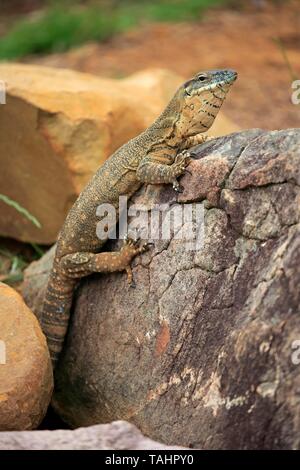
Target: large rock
(26, 380)
(58, 127)
(202, 353)
(118, 435)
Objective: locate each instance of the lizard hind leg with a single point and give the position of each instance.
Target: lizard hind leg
(64, 277)
(119, 260)
(78, 265)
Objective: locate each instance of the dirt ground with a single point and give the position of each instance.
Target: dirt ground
(243, 40)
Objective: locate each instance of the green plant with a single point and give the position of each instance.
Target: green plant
(17, 265)
(55, 30)
(20, 209)
(13, 264)
(14, 272)
(58, 28)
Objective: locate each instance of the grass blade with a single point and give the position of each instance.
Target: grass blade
(20, 209)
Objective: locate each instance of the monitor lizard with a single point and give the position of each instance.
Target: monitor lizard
(158, 155)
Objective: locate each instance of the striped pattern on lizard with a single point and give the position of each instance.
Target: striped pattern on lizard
(158, 155)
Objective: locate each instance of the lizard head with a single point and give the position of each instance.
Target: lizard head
(203, 96)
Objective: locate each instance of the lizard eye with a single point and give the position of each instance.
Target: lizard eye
(202, 78)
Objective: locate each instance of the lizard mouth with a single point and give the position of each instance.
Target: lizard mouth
(223, 82)
(226, 82)
(230, 77)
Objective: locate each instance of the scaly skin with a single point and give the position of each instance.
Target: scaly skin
(158, 155)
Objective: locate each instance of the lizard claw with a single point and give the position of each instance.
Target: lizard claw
(131, 241)
(177, 187)
(179, 165)
(145, 246)
(183, 158)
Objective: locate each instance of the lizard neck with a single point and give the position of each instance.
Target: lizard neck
(182, 119)
(163, 131)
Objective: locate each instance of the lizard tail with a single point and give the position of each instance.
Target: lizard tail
(56, 313)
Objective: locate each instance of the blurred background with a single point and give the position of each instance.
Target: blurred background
(114, 38)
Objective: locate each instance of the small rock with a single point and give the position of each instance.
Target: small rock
(118, 435)
(26, 380)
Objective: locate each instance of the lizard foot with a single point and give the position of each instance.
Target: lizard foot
(134, 246)
(129, 250)
(181, 162)
(179, 165)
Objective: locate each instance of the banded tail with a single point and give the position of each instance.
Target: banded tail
(56, 312)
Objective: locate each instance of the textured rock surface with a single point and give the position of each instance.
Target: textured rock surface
(58, 127)
(25, 370)
(200, 353)
(118, 435)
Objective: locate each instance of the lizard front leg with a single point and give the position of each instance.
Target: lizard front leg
(150, 170)
(194, 140)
